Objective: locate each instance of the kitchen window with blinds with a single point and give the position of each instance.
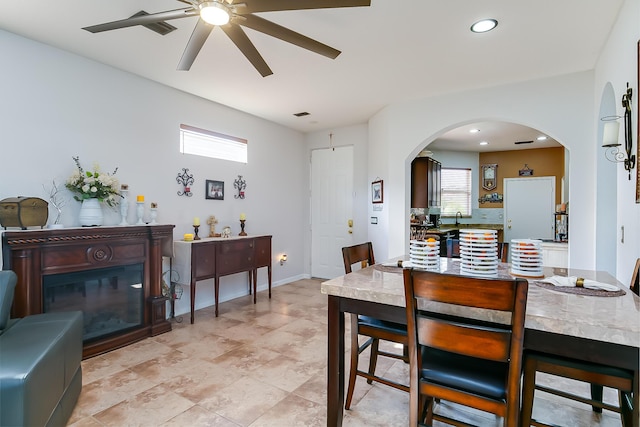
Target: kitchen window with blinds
(201, 142)
(456, 191)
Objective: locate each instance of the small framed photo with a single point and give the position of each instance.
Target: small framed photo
(377, 191)
(215, 190)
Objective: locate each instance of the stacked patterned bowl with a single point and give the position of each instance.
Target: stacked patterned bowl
(424, 254)
(479, 252)
(526, 258)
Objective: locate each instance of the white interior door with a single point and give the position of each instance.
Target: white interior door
(529, 207)
(331, 209)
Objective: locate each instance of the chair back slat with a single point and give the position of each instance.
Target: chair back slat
(492, 294)
(471, 340)
(362, 253)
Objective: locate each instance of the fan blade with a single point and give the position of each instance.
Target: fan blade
(252, 6)
(267, 27)
(196, 41)
(142, 20)
(240, 39)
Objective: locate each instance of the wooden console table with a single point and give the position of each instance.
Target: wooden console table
(35, 254)
(216, 257)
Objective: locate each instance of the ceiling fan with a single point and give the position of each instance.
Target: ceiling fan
(231, 16)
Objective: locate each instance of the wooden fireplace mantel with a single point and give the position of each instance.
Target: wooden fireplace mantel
(33, 254)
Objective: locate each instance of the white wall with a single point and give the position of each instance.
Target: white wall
(56, 105)
(561, 107)
(617, 65)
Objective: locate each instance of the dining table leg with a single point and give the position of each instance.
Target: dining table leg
(335, 363)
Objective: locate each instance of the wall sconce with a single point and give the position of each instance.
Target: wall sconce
(283, 259)
(610, 135)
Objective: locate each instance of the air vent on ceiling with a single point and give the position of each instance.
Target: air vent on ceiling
(302, 114)
(523, 142)
(161, 28)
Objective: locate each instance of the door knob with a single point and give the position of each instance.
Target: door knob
(350, 223)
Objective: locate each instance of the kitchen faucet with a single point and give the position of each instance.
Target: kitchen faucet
(457, 222)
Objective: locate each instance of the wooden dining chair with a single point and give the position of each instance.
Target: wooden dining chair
(595, 374)
(635, 279)
(374, 329)
(453, 248)
(458, 359)
(503, 251)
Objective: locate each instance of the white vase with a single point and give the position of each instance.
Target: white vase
(90, 213)
(124, 207)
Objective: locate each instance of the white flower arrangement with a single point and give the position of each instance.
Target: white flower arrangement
(94, 184)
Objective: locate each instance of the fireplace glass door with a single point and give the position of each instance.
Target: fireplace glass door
(111, 299)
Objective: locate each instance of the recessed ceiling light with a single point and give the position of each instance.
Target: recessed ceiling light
(542, 138)
(474, 130)
(484, 143)
(484, 25)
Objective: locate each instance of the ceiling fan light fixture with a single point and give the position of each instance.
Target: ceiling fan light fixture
(214, 13)
(484, 25)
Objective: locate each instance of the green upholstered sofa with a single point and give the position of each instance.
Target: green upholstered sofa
(40, 371)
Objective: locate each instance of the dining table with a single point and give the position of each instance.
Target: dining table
(602, 327)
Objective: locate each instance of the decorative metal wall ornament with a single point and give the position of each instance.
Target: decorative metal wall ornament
(630, 161)
(613, 152)
(185, 179)
(239, 184)
(526, 171)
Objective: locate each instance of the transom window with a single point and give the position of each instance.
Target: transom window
(456, 191)
(202, 142)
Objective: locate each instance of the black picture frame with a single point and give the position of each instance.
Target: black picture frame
(377, 192)
(638, 125)
(214, 190)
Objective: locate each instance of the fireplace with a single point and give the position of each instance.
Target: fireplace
(111, 299)
(111, 274)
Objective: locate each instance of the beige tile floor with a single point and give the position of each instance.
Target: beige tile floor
(257, 365)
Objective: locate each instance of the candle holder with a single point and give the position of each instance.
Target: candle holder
(124, 206)
(242, 233)
(140, 213)
(195, 232)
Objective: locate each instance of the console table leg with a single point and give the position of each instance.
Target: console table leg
(254, 273)
(193, 297)
(216, 292)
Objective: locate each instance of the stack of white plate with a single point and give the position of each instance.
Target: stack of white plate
(526, 257)
(424, 254)
(479, 252)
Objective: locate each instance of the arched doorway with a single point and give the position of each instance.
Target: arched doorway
(520, 148)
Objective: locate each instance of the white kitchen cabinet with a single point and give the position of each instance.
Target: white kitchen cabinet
(555, 254)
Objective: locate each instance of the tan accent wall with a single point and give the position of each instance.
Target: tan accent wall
(543, 161)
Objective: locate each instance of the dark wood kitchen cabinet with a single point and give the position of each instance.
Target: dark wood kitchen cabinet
(425, 183)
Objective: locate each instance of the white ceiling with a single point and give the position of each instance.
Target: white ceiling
(392, 51)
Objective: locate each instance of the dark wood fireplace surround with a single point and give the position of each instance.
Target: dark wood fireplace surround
(32, 254)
